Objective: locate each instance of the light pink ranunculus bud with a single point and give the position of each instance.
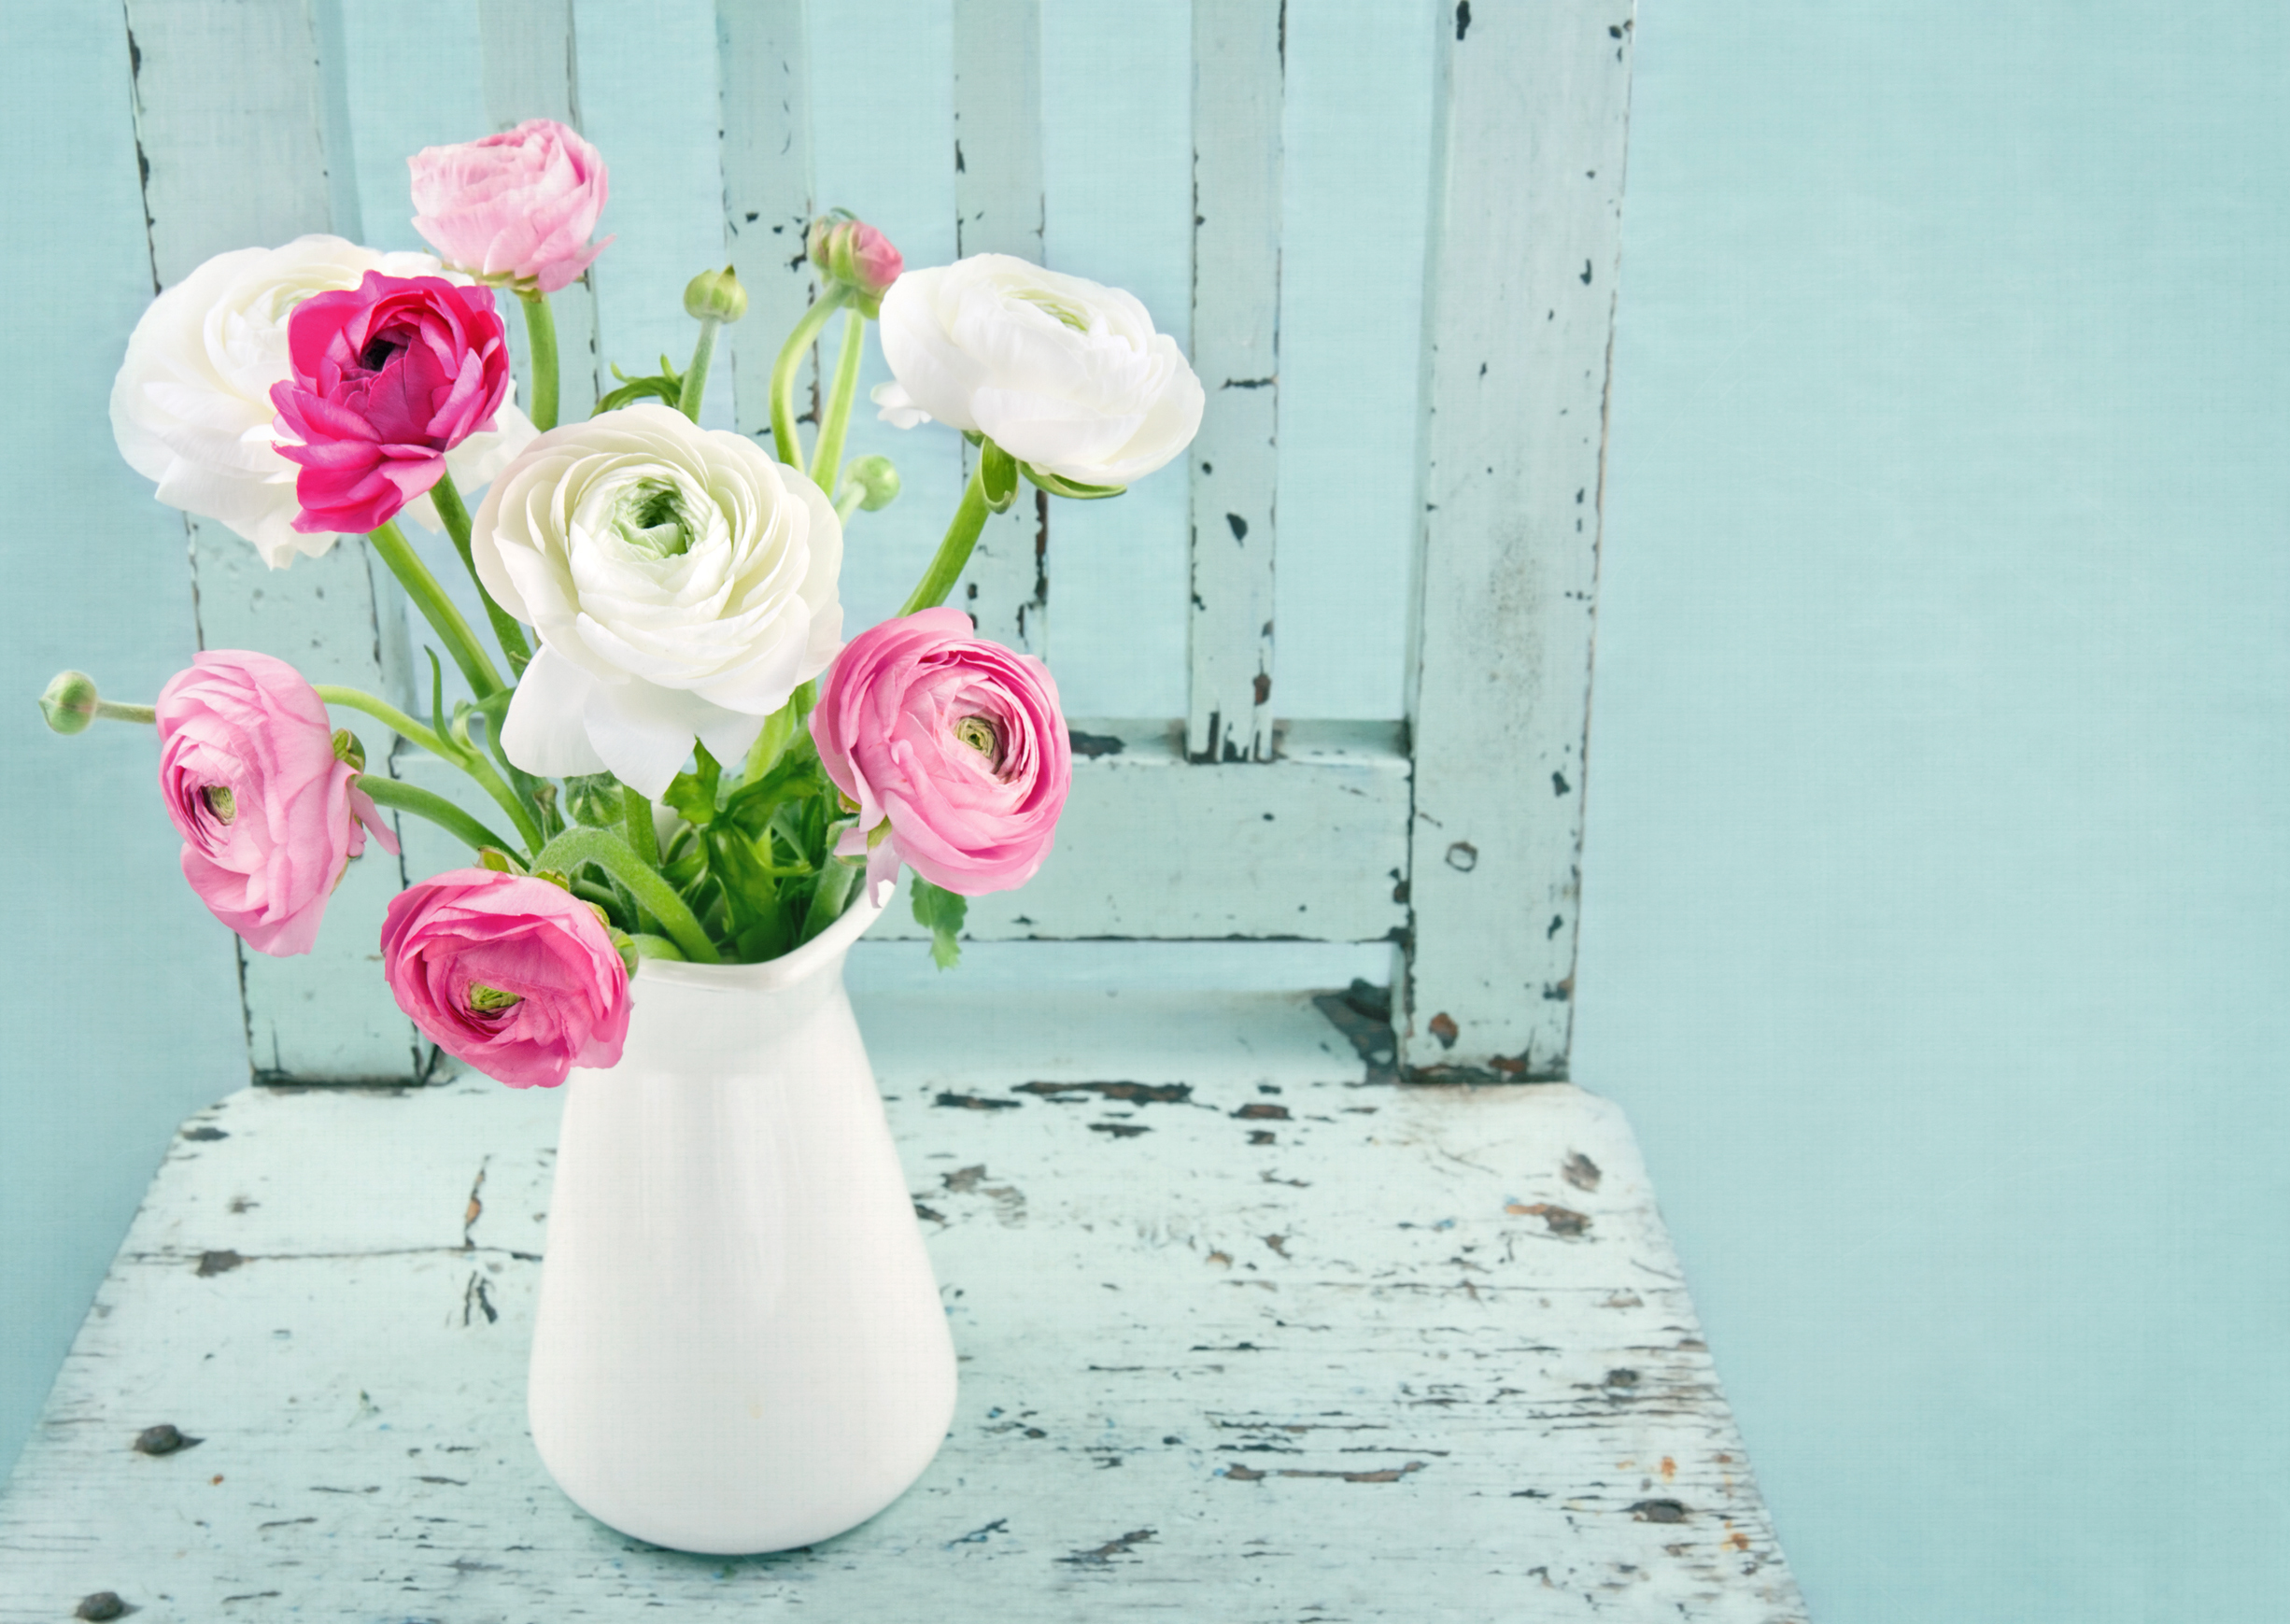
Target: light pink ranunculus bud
(269, 817)
(849, 250)
(514, 975)
(516, 207)
(957, 741)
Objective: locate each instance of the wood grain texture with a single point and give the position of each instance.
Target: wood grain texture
(998, 210)
(530, 54)
(1312, 849)
(1238, 73)
(233, 126)
(1519, 316)
(763, 56)
(1245, 1334)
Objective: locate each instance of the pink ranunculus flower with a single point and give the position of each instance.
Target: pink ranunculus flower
(389, 377)
(517, 208)
(957, 741)
(270, 819)
(852, 252)
(514, 975)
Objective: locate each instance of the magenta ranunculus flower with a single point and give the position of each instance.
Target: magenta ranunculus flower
(270, 819)
(388, 377)
(512, 974)
(956, 741)
(517, 208)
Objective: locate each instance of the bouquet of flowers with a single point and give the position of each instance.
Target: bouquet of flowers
(687, 759)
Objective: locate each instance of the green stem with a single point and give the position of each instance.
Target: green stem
(696, 376)
(576, 847)
(954, 551)
(657, 947)
(540, 338)
(790, 449)
(450, 507)
(827, 458)
(112, 711)
(833, 899)
(643, 839)
(468, 761)
(436, 807)
(430, 598)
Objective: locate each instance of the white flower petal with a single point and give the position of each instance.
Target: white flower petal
(643, 732)
(546, 730)
(898, 408)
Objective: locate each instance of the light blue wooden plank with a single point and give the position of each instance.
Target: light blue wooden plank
(998, 210)
(648, 97)
(883, 148)
(528, 51)
(763, 62)
(1237, 72)
(232, 121)
(1356, 178)
(1518, 326)
(1118, 193)
(413, 80)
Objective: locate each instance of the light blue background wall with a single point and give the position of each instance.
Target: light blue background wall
(1936, 889)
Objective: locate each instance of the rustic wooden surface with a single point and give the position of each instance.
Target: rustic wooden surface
(1247, 1332)
(1526, 244)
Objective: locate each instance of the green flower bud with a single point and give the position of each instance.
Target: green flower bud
(850, 252)
(348, 748)
(716, 294)
(876, 478)
(488, 1000)
(499, 861)
(69, 703)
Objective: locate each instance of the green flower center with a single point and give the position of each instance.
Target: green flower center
(981, 735)
(221, 801)
(1071, 315)
(487, 1000)
(650, 517)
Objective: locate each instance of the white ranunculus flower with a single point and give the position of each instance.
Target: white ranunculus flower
(682, 585)
(192, 406)
(1067, 375)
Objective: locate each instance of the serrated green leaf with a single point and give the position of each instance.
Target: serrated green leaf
(942, 913)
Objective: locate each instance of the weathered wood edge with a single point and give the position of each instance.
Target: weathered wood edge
(763, 53)
(1520, 301)
(1239, 73)
(998, 210)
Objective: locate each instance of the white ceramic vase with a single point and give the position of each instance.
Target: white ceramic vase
(739, 1345)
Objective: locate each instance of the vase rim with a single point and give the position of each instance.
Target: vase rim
(772, 975)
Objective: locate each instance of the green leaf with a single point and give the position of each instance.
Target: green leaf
(668, 385)
(1056, 485)
(999, 480)
(942, 913)
(693, 794)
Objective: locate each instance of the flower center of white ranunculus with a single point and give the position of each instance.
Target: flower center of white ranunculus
(650, 518)
(221, 801)
(1073, 315)
(485, 1000)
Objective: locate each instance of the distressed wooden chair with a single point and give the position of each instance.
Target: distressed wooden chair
(1355, 1345)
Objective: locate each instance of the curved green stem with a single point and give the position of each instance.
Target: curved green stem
(576, 847)
(788, 448)
(827, 457)
(696, 376)
(430, 598)
(436, 807)
(954, 551)
(540, 336)
(468, 761)
(450, 507)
